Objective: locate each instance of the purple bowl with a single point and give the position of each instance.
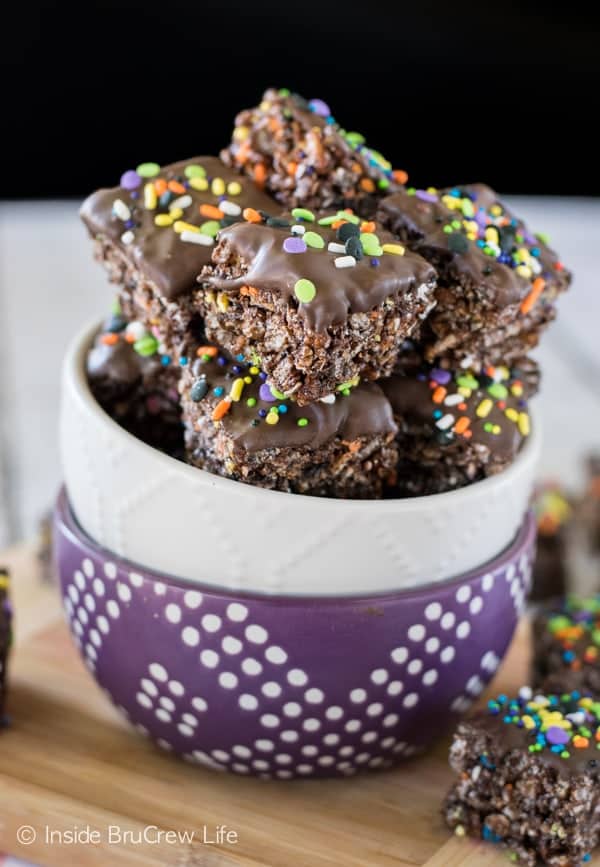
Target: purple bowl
(288, 686)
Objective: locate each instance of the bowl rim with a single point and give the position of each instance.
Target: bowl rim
(68, 525)
(74, 372)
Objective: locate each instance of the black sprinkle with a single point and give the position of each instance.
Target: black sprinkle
(347, 230)
(458, 243)
(487, 270)
(444, 438)
(199, 389)
(507, 238)
(354, 247)
(115, 324)
(229, 220)
(255, 422)
(278, 223)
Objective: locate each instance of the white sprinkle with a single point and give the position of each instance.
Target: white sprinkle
(121, 210)
(525, 693)
(182, 202)
(344, 262)
(197, 238)
(230, 208)
(127, 237)
(467, 362)
(445, 422)
(298, 229)
(329, 398)
(333, 247)
(135, 330)
(453, 399)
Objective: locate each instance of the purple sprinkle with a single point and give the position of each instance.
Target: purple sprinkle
(129, 224)
(262, 413)
(425, 196)
(440, 376)
(374, 263)
(556, 735)
(262, 376)
(317, 106)
(222, 362)
(130, 180)
(266, 394)
(421, 377)
(294, 245)
(236, 368)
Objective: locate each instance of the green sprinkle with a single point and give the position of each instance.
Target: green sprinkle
(313, 239)
(383, 183)
(278, 394)
(194, 171)
(467, 208)
(370, 244)
(116, 307)
(146, 345)
(211, 228)
(283, 91)
(596, 636)
(327, 221)
(448, 229)
(148, 170)
(349, 218)
(497, 390)
(302, 422)
(304, 290)
(543, 237)
(251, 401)
(467, 381)
(355, 138)
(488, 427)
(303, 214)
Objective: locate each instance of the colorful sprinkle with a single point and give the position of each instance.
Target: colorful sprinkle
(305, 290)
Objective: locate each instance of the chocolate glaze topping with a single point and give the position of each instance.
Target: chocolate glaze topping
(488, 409)
(352, 412)
(126, 216)
(256, 255)
(438, 222)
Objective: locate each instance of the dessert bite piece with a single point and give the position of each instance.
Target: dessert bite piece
(318, 300)
(456, 427)
(529, 774)
(553, 514)
(238, 426)
(301, 155)
(135, 385)
(5, 638)
(566, 644)
(156, 231)
(497, 281)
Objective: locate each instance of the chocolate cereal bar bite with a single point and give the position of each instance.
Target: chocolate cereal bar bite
(318, 300)
(497, 281)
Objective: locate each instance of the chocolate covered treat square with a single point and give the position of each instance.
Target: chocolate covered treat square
(135, 385)
(497, 281)
(156, 231)
(566, 644)
(240, 427)
(319, 301)
(298, 151)
(456, 427)
(553, 514)
(529, 777)
(5, 638)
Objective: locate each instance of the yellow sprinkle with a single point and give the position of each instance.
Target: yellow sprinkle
(150, 197)
(466, 392)
(254, 370)
(209, 297)
(511, 414)
(247, 380)
(217, 187)
(240, 133)
(517, 390)
(272, 417)
(495, 210)
(484, 408)
(524, 426)
(496, 429)
(200, 184)
(523, 270)
(234, 188)
(222, 302)
(181, 226)
(265, 105)
(459, 831)
(528, 722)
(163, 220)
(491, 234)
(237, 387)
(175, 213)
(396, 249)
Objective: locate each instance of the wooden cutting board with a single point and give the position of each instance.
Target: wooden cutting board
(69, 764)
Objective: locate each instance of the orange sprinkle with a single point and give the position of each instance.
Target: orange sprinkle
(598, 734)
(501, 404)
(580, 742)
(291, 168)
(462, 424)
(400, 176)
(338, 223)
(176, 187)
(490, 371)
(468, 434)
(160, 186)
(367, 185)
(221, 409)
(356, 168)
(558, 266)
(260, 174)
(439, 394)
(536, 290)
(211, 351)
(368, 226)
(273, 124)
(251, 215)
(110, 339)
(243, 153)
(462, 407)
(211, 211)
(130, 338)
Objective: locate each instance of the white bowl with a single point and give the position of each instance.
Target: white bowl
(173, 518)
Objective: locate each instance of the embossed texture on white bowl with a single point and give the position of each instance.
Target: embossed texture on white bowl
(177, 519)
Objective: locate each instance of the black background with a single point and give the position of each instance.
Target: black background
(452, 92)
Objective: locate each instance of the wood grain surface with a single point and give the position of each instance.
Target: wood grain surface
(70, 762)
